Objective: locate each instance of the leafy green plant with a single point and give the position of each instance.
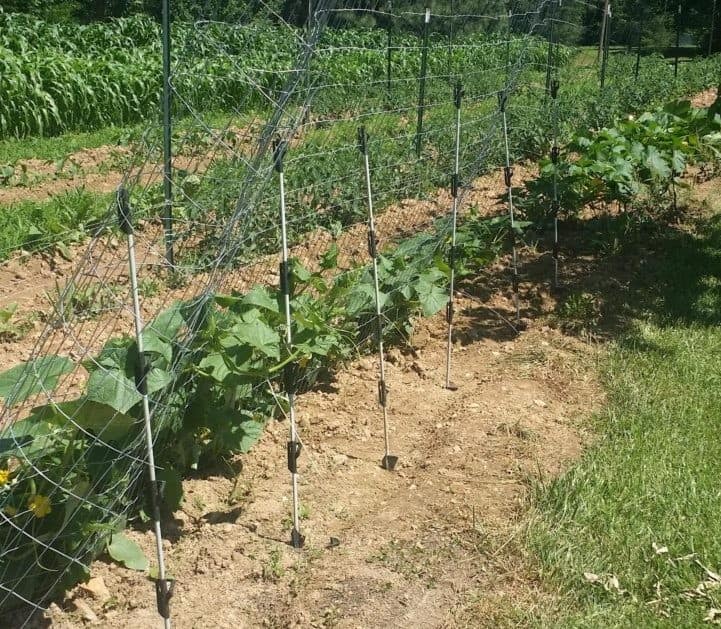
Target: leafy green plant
(273, 570)
(220, 365)
(127, 552)
(638, 162)
(6, 174)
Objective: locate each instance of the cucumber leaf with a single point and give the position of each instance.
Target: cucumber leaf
(127, 552)
(27, 379)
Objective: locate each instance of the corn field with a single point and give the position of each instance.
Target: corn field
(56, 78)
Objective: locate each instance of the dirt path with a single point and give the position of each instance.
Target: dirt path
(426, 546)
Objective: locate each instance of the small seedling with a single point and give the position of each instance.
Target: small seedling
(198, 503)
(273, 570)
(10, 328)
(149, 287)
(84, 302)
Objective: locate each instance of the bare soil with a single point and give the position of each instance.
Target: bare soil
(705, 99)
(96, 170)
(425, 546)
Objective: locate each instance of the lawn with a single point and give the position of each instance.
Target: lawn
(629, 535)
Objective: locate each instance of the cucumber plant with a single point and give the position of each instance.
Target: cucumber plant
(215, 374)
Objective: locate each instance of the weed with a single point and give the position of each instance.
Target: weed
(177, 278)
(304, 512)
(82, 301)
(149, 287)
(579, 313)
(273, 570)
(10, 328)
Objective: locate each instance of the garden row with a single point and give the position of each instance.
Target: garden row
(324, 182)
(219, 365)
(639, 162)
(218, 371)
(322, 175)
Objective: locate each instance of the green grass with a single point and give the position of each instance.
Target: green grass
(68, 217)
(54, 148)
(652, 477)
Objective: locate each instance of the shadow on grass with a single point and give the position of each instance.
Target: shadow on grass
(616, 269)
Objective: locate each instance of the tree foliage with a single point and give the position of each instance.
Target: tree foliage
(655, 21)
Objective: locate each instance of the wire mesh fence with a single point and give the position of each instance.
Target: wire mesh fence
(122, 373)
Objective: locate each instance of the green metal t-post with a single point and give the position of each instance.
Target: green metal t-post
(389, 52)
(549, 62)
(422, 88)
(678, 41)
(451, 30)
(606, 44)
(639, 37)
(167, 140)
(712, 34)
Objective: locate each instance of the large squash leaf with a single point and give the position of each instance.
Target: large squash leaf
(27, 379)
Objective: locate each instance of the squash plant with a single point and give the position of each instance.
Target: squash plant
(636, 162)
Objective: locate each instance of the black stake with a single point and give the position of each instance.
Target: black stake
(451, 33)
(555, 158)
(712, 33)
(674, 195)
(508, 47)
(549, 61)
(422, 82)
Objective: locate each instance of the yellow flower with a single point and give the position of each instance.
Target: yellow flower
(39, 505)
(11, 511)
(4, 477)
